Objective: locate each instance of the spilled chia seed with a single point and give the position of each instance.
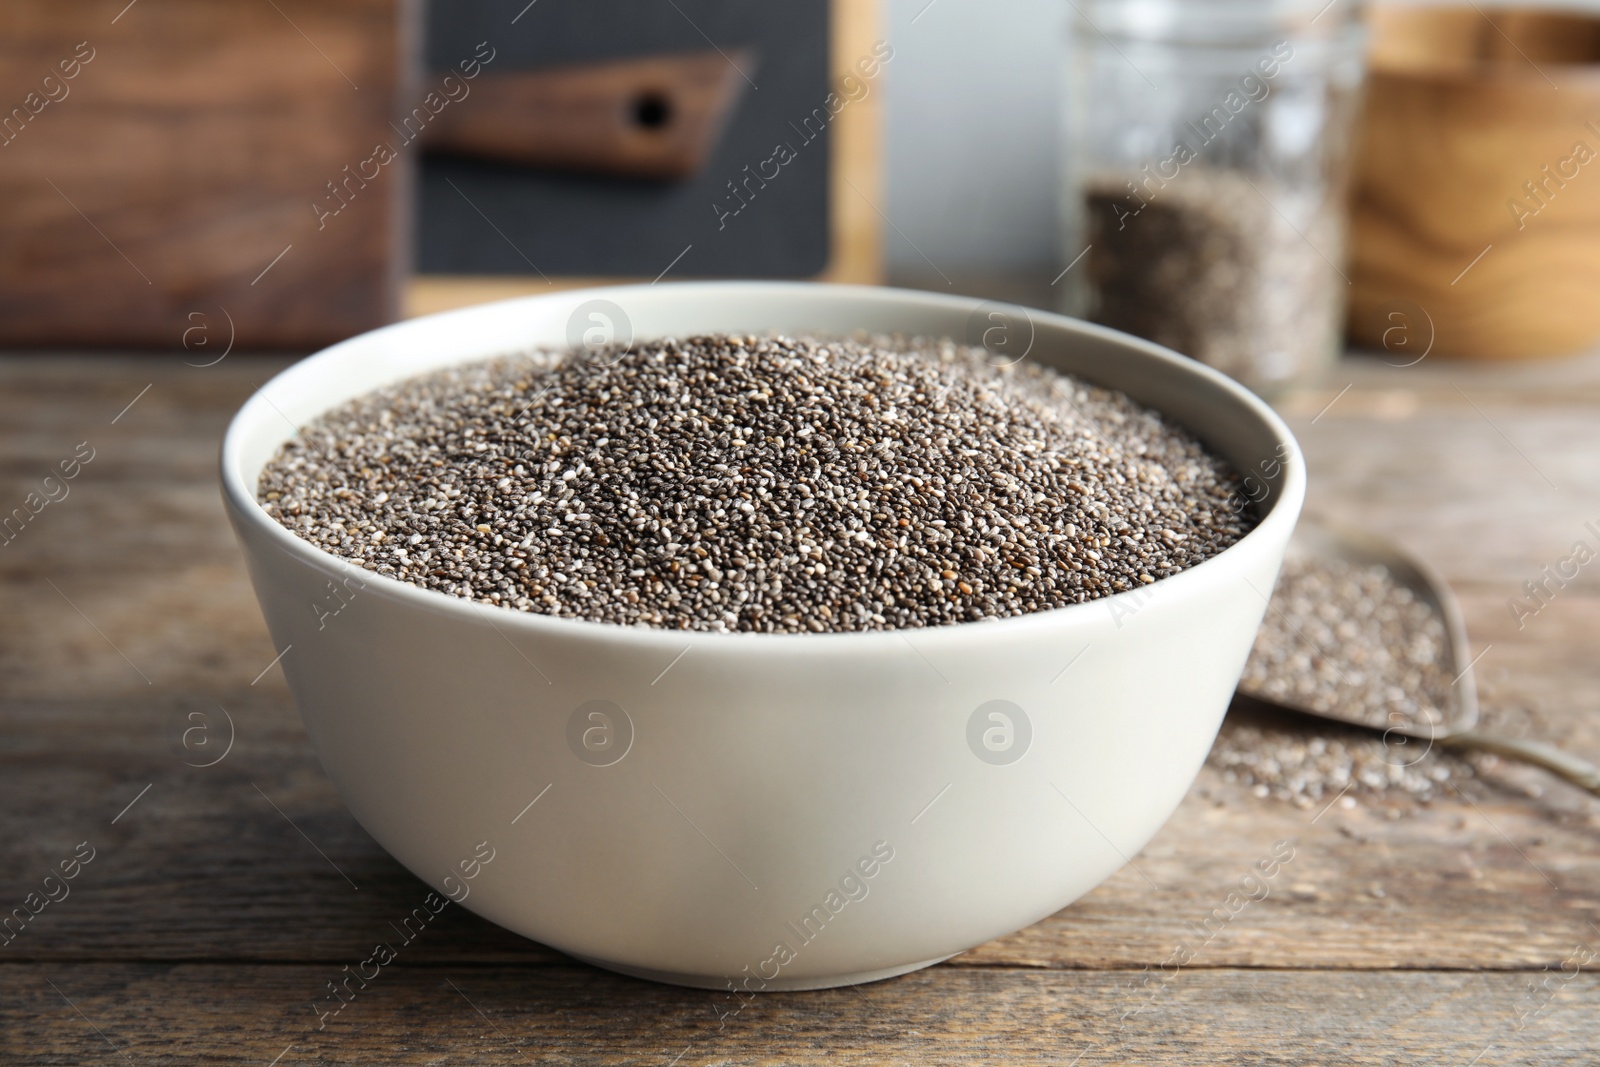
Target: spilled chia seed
(765, 484)
(1350, 641)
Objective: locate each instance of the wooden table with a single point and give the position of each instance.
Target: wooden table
(221, 899)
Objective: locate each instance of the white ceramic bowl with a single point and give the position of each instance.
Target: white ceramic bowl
(759, 810)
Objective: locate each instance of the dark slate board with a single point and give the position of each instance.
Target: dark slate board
(567, 224)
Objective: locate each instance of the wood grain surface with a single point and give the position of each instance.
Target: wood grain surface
(174, 175)
(250, 1013)
(1472, 198)
(221, 899)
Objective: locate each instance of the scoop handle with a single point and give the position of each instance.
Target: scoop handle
(1578, 772)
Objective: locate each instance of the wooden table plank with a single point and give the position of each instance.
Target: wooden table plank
(250, 1014)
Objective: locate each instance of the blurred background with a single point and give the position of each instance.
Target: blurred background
(289, 173)
(989, 78)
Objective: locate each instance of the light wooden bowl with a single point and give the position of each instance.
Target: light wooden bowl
(1464, 107)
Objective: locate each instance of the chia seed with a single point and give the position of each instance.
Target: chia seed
(1352, 642)
(1211, 269)
(765, 484)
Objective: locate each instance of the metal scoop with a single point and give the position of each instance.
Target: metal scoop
(1456, 725)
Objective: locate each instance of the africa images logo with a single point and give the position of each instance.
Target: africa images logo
(999, 732)
(599, 733)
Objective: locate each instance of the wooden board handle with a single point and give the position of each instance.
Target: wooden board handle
(656, 117)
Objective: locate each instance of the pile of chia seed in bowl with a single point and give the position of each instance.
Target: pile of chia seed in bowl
(765, 484)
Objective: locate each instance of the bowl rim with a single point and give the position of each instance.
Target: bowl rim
(1276, 523)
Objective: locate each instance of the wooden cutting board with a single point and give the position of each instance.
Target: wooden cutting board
(162, 195)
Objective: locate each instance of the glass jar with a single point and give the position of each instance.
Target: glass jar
(1208, 147)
